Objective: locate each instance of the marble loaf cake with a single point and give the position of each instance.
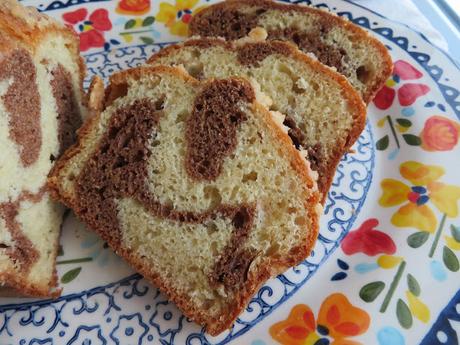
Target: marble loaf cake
(195, 184)
(335, 41)
(40, 110)
(324, 114)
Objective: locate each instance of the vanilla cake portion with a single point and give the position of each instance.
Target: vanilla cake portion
(323, 112)
(334, 41)
(41, 106)
(195, 184)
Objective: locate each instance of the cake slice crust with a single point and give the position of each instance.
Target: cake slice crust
(195, 185)
(335, 41)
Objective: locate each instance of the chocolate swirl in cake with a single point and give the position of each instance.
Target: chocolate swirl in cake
(229, 24)
(69, 119)
(119, 169)
(233, 24)
(212, 127)
(22, 252)
(312, 42)
(22, 102)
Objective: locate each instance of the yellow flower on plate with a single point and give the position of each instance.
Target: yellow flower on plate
(128, 38)
(381, 122)
(388, 261)
(452, 243)
(87, 27)
(402, 129)
(390, 83)
(177, 17)
(414, 210)
(418, 308)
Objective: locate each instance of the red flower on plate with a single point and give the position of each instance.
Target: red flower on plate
(407, 93)
(91, 29)
(133, 7)
(75, 16)
(367, 240)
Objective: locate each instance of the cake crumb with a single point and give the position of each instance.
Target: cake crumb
(257, 34)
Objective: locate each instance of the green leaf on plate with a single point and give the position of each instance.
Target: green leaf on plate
(70, 275)
(450, 259)
(382, 143)
(404, 315)
(130, 24)
(455, 230)
(146, 40)
(417, 239)
(412, 140)
(148, 21)
(370, 292)
(413, 285)
(404, 122)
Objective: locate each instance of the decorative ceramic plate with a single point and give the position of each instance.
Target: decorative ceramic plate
(385, 269)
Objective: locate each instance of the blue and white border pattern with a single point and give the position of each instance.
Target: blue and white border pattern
(445, 330)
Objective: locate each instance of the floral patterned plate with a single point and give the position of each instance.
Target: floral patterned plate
(385, 269)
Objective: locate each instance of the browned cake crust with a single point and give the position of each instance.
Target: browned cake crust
(225, 19)
(251, 54)
(242, 216)
(22, 29)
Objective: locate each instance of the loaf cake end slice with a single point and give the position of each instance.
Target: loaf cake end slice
(195, 184)
(41, 106)
(335, 41)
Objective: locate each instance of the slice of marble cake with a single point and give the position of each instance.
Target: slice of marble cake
(195, 184)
